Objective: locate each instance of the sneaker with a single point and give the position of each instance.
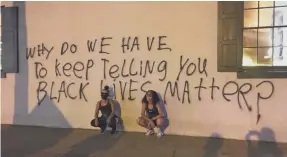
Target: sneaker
(103, 129)
(159, 134)
(149, 132)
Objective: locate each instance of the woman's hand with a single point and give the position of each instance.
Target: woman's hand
(150, 124)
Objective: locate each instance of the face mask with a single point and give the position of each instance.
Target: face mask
(104, 96)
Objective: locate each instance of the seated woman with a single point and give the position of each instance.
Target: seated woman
(151, 114)
(108, 118)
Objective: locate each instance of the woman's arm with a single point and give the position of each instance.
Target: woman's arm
(97, 110)
(143, 115)
(160, 115)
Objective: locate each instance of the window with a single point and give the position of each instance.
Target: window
(252, 38)
(9, 40)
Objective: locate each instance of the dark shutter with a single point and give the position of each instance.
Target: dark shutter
(9, 38)
(3, 75)
(230, 25)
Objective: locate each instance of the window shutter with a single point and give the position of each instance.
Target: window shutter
(9, 38)
(3, 75)
(230, 34)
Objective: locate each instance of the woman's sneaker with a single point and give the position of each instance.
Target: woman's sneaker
(113, 131)
(103, 129)
(149, 132)
(159, 132)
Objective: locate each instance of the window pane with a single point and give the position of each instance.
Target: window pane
(251, 18)
(266, 4)
(280, 16)
(266, 17)
(264, 56)
(250, 4)
(250, 38)
(269, 54)
(280, 3)
(249, 57)
(280, 56)
(280, 36)
(265, 46)
(264, 37)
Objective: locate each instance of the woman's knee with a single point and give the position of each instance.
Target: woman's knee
(113, 122)
(159, 122)
(140, 121)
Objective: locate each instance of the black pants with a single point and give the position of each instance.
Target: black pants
(103, 122)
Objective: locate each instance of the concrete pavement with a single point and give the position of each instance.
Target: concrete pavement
(27, 141)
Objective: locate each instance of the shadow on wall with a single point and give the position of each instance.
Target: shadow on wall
(262, 148)
(47, 114)
(213, 145)
(162, 105)
(21, 78)
(118, 110)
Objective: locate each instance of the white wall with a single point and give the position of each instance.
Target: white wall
(191, 32)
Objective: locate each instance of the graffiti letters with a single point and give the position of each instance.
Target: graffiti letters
(64, 89)
(132, 67)
(92, 45)
(191, 67)
(131, 74)
(129, 44)
(78, 69)
(39, 50)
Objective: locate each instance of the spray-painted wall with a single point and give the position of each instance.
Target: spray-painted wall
(69, 51)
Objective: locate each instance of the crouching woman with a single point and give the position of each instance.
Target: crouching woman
(108, 118)
(151, 114)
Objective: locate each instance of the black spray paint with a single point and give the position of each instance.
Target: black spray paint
(128, 68)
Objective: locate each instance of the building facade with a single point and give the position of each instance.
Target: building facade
(69, 50)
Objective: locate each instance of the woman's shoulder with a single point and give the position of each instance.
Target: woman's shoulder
(99, 102)
(158, 103)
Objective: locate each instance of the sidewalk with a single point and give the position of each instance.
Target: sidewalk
(27, 141)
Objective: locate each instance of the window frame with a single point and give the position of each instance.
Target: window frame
(243, 72)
